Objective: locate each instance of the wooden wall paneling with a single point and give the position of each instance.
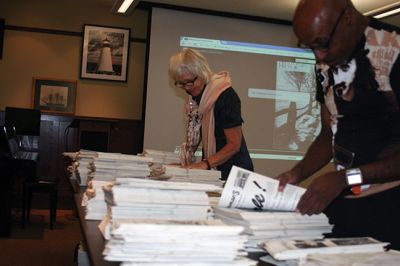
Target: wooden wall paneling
(127, 137)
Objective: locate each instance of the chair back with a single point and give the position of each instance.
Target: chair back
(14, 146)
(4, 147)
(11, 140)
(26, 123)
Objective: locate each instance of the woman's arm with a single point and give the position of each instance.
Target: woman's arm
(233, 142)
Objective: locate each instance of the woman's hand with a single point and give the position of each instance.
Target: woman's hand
(199, 165)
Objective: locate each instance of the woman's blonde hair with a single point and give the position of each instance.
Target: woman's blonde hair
(189, 61)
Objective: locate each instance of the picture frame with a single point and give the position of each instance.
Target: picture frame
(54, 95)
(105, 53)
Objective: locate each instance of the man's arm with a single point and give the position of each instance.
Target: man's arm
(317, 156)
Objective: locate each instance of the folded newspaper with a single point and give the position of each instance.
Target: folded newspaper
(287, 249)
(249, 190)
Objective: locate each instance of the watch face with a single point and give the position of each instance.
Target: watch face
(354, 177)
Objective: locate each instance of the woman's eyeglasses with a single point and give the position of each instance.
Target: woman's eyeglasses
(180, 84)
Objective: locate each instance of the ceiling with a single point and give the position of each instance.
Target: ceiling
(277, 9)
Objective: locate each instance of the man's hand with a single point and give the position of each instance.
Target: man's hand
(321, 192)
(289, 177)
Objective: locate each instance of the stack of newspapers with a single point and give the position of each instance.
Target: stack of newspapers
(263, 225)
(162, 157)
(101, 169)
(108, 166)
(297, 250)
(253, 201)
(177, 244)
(133, 199)
(166, 166)
(93, 200)
(179, 174)
(155, 222)
(102, 166)
(79, 168)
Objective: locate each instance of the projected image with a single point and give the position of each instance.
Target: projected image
(297, 120)
(289, 97)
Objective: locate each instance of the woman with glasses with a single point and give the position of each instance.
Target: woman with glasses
(212, 115)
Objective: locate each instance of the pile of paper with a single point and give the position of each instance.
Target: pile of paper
(265, 212)
(98, 169)
(178, 174)
(177, 244)
(79, 168)
(102, 166)
(108, 166)
(387, 258)
(162, 157)
(284, 249)
(93, 200)
(263, 225)
(131, 198)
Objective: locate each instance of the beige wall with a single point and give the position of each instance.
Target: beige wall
(32, 54)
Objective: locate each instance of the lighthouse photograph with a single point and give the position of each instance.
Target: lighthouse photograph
(105, 53)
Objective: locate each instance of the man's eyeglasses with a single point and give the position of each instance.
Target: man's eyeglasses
(184, 84)
(325, 43)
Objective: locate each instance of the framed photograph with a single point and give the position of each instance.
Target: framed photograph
(105, 53)
(54, 95)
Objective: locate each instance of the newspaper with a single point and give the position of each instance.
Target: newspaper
(249, 190)
(287, 249)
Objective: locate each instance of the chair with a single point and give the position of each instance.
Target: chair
(8, 168)
(22, 127)
(27, 125)
(41, 184)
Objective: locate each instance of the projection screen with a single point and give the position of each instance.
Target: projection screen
(274, 80)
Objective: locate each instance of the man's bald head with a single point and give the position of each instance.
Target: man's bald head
(311, 16)
(331, 28)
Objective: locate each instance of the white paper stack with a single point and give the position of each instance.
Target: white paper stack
(177, 244)
(132, 198)
(265, 212)
(299, 249)
(179, 174)
(387, 258)
(79, 168)
(162, 157)
(82, 171)
(101, 169)
(263, 225)
(108, 166)
(93, 199)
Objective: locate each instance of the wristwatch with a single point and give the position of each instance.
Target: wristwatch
(354, 177)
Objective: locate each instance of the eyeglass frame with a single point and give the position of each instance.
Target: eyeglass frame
(327, 44)
(187, 83)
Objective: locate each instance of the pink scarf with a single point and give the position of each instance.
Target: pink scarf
(219, 82)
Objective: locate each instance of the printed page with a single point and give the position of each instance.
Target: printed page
(246, 189)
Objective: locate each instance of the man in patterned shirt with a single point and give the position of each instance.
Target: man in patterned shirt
(358, 87)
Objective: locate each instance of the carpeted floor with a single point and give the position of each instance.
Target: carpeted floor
(37, 244)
